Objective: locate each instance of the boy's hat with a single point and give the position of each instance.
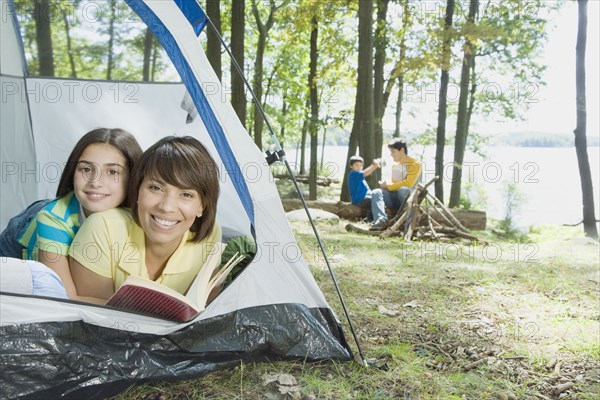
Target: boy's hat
(354, 159)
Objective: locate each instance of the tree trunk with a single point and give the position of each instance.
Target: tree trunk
(399, 70)
(472, 94)
(363, 120)
(43, 36)
(111, 40)
(460, 141)
(257, 88)
(263, 32)
(284, 111)
(213, 45)
(69, 45)
(352, 146)
(587, 192)
(399, 105)
(362, 127)
(323, 147)
(378, 80)
(314, 110)
(303, 139)
(148, 42)
(440, 142)
(154, 59)
(270, 80)
(238, 90)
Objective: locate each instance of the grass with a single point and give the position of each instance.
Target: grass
(423, 312)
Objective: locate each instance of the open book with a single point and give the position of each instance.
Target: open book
(152, 298)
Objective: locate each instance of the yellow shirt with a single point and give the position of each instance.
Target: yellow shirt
(405, 174)
(112, 245)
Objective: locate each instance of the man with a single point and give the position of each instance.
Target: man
(405, 174)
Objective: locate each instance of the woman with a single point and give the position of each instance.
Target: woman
(167, 235)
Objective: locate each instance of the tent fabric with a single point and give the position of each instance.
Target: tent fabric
(66, 359)
(16, 138)
(170, 33)
(194, 14)
(274, 309)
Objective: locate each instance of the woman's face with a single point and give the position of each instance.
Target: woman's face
(166, 212)
(100, 181)
(396, 154)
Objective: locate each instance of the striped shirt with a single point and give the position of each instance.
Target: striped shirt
(53, 229)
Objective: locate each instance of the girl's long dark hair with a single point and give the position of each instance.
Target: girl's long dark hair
(121, 139)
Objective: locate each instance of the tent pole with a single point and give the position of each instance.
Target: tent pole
(283, 158)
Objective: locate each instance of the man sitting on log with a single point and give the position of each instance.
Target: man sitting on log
(360, 193)
(405, 174)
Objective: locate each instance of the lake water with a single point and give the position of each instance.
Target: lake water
(547, 178)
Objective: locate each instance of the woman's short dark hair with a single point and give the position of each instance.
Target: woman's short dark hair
(398, 144)
(185, 163)
(122, 140)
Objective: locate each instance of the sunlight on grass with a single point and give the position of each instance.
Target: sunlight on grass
(425, 310)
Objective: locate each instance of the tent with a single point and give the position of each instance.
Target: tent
(54, 348)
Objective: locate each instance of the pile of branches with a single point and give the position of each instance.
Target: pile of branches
(423, 218)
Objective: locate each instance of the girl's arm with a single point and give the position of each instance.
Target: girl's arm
(90, 286)
(60, 265)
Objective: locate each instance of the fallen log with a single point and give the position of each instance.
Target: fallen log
(472, 220)
(358, 229)
(340, 208)
(321, 180)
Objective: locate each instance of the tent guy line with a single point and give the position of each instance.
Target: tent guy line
(273, 310)
(282, 157)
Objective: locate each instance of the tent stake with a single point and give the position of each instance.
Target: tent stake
(283, 158)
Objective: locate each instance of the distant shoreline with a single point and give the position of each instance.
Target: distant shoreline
(539, 139)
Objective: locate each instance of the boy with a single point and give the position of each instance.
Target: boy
(360, 193)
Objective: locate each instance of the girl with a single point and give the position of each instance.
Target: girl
(95, 179)
(167, 235)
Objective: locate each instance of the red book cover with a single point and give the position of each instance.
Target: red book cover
(152, 298)
(147, 297)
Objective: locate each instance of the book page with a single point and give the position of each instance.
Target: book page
(200, 284)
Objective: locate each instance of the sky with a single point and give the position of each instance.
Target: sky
(552, 107)
(555, 111)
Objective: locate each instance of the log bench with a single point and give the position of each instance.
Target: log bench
(472, 220)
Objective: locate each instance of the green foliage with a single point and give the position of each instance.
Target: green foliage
(514, 199)
(288, 60)
(473, 196)
(88, 33)
(508, 37)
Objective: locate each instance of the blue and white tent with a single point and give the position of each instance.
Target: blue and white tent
(53, 348)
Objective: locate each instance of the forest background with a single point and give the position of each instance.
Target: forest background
(454, 77)
(340, 77)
